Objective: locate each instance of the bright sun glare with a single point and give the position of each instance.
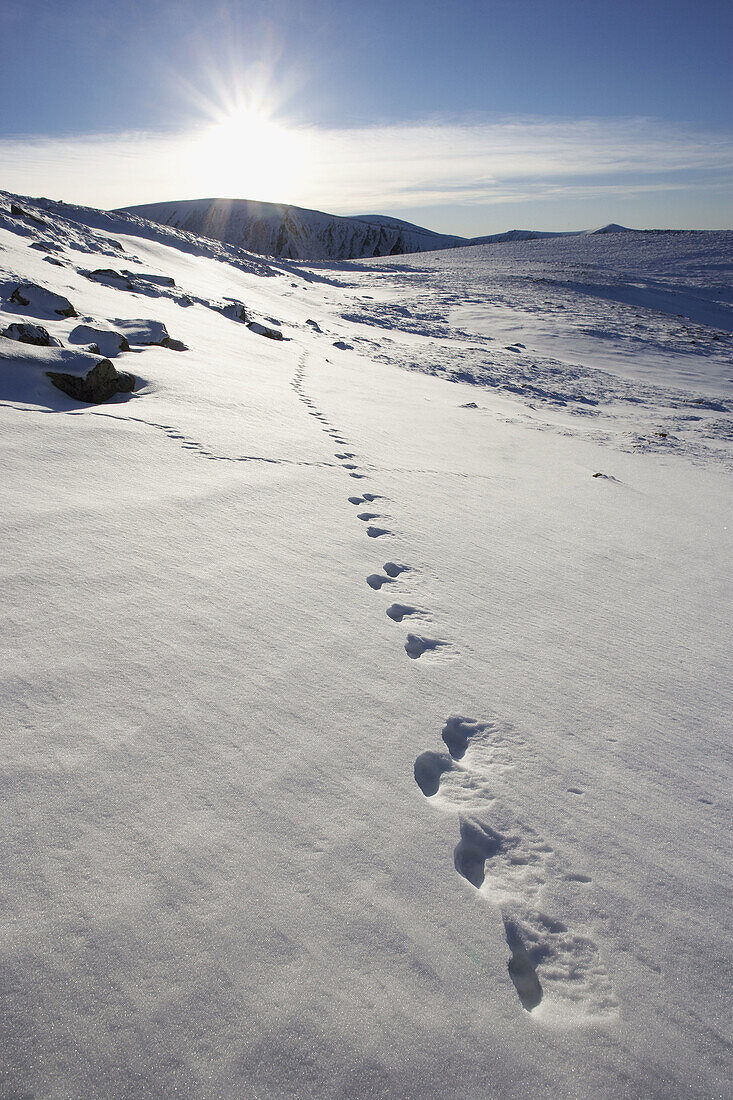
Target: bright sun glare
(247, 154)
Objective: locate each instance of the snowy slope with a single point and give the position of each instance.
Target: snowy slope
(292, 232)
(366, 693)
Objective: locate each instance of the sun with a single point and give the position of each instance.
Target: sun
(248, 154)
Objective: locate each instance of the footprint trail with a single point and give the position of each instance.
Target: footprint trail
(558, 975)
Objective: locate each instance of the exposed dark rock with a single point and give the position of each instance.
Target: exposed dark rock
(234, 310)
(173, 345)
(108, 277)
(156, 280)
(18, 212)
(30, 294)
(263, 330)
(314, 325)
(342, 345)
(31, 334)
(98, 385)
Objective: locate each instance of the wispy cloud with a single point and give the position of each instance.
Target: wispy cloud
(383, 169)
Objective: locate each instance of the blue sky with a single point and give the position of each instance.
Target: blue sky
(468, 116)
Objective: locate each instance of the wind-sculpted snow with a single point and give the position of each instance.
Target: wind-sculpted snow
(364, 691)
(637, 327)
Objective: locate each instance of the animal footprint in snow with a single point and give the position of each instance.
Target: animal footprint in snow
(428, 769)
(368, 515)
(377, 532)
(393, 569)
(416, 645)
(398, 611)
(558, 975)
(376, 580)
(458, 731)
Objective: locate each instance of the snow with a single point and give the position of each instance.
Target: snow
(359, 740)
(292, 231)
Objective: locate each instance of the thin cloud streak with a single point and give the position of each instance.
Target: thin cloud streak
(382, 169)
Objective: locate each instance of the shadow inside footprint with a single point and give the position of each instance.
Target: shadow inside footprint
(392, 569)
(415, 646)
(429, 767)
(376, 580)
(478, 843)
(458, 731)
(377, 532)
(398, 611)
(521, 969)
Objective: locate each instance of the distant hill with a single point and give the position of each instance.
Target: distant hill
(295, 233)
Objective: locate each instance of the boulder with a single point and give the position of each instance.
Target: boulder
(108, 277)
(314, 325)
(263, 330)
(39, 298)
(98, 385)
(156, 280)
(31, 334)
(234, 310)
(141, 332)
(109, 342)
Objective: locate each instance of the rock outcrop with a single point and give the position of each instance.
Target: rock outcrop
(98, 385)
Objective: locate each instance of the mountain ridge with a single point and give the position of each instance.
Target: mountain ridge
(299, 233)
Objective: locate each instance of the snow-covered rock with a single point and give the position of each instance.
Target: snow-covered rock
(42, 302)
(265, 330)
(96, 386)
(108, 342)
(108, 277)
(30, 334)
(141, 332)
(234, 310)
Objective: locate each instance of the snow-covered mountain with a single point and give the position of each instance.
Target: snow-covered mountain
(399, 770)
(293, 232)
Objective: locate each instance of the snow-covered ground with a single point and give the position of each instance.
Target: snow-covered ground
(366, 728)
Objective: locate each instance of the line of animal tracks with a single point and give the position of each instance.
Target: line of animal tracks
(558, 974)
